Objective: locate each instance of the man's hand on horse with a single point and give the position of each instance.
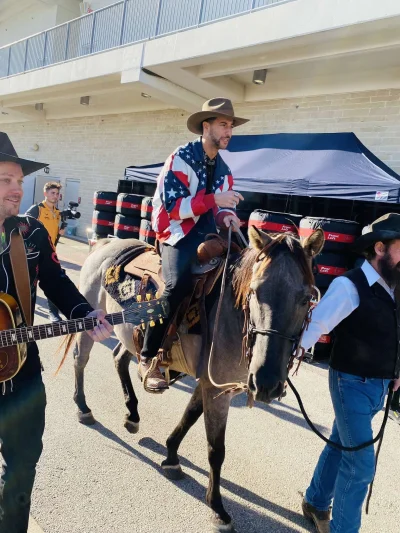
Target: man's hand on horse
(228, 199)
(103, 330)
(396, 384)
(231, 220)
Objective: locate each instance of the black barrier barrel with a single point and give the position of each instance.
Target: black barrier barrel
(275, 222)
(102, 222)
(323, 348)
(146, 233)
(339, 234)
(105, 201)
(126, 227)
(129, 204)
(147, 207)
(328, 266)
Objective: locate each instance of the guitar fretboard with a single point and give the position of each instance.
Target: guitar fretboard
(22, 335)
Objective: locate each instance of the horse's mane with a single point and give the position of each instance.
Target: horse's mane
(243, 268)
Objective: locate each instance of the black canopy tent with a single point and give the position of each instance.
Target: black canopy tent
(325, 165)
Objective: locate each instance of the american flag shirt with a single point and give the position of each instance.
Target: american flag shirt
(180, 198)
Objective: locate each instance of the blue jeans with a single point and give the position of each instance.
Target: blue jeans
(344, 476)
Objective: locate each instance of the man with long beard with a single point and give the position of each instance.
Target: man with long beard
(362, 309)
(194, 195)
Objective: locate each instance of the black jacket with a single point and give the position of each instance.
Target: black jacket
(44, 268)
(367, 341)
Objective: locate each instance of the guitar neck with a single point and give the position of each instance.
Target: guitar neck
(11, 337)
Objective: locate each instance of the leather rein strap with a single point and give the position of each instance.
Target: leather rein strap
(19, 265)
(249, 332)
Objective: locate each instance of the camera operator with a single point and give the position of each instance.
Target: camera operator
(48, 214)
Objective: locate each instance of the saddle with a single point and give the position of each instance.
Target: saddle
(206, 271)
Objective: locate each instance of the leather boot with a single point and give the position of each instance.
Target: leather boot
(321, 519)
(155, 381)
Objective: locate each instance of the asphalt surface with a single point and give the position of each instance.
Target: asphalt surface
(101, 479)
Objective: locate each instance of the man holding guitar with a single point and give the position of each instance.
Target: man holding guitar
(22, 394)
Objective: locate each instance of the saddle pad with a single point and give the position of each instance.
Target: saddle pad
(122, 286)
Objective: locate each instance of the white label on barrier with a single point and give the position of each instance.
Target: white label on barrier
(381, 196)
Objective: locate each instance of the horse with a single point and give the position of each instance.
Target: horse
(273, 281)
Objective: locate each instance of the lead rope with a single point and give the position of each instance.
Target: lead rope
(379, 436)
(234, 386)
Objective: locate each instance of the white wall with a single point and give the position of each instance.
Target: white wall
(96, 150)
(98, 4)
(35, 18)
(28, 22)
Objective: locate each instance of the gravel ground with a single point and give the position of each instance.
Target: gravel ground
(101, 479)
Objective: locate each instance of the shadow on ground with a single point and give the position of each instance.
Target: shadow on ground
(246, 520)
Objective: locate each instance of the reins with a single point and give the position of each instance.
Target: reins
(249, 332)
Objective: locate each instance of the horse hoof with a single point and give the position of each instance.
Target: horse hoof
(223, 528)
(173, 472)
(132, 427)
(219, 526)
(86, 418)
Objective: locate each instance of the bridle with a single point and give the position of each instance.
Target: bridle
(250, 331)
(249, 334)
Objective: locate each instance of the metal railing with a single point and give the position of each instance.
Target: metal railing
(120, 24)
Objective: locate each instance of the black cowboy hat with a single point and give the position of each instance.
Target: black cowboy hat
(385, 228)
(9, 155)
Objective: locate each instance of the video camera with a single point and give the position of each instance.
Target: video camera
(69, 213)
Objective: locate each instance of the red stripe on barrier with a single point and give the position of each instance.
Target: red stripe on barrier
(124, 227)
(103, 222)
(147, 208)
(324, 339)
(147, 233)
(330, 236)
(99, 201)
(331, 270)
(129, 205)
(273, 226)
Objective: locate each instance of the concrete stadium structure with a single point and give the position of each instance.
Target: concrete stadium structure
(331, 66)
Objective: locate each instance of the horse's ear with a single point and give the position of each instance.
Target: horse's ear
(314, 243)
(258, 239)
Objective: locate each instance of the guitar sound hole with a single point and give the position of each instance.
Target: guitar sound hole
(3, 360)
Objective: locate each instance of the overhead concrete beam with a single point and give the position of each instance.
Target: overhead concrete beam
(23, 113)
(330, 84)
(57, 94)
(188, 79)
(288, 56)
(164, 90)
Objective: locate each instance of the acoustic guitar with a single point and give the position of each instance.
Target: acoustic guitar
(14, 337)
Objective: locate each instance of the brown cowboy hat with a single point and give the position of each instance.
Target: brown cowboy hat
(9, 155)
(385, 228)
(216, 107)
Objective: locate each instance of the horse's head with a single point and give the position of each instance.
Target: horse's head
(278, 300)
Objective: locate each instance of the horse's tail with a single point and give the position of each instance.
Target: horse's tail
(64, 348)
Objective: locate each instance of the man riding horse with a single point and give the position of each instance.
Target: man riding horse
(194, 196)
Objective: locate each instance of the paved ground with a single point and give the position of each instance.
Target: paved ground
(104, 480)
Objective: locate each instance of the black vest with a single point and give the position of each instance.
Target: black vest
(367, 341)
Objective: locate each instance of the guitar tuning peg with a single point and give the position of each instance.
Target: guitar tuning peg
(143, 325)
(152, 323)
(148, 296)
(138, 298)
(161, 321)
(157, 294)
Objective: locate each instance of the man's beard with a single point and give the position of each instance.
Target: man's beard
(389, 272)
(8, 211)
(217, 141)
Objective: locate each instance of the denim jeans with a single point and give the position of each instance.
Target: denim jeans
(22, 421)
(344, 476)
